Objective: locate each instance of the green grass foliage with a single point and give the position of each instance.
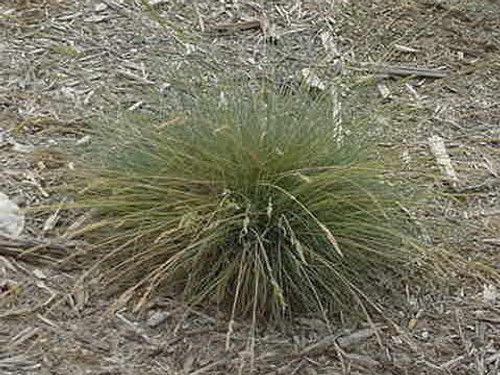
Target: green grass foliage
(253, 203)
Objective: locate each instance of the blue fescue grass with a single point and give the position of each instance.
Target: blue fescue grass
(255, 203)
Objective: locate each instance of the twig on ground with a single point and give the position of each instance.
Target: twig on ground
(229, 28)
(343, 342)
(404, 71)
(33, 250)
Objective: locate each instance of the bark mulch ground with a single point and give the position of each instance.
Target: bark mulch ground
(63, 63)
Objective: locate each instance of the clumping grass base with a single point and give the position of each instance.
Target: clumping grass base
(254, 203)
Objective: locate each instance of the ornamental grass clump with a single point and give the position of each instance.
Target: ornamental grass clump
(253, 203)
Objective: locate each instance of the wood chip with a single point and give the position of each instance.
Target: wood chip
(412, 91)
(362, 360)
(11, 218)
(490, 293)
(23, 336)
(343, 342)
(356, 338)
(384, 91)
(333, 54)
(402, 48)
(134, 77)
(269, 30)
(157, 318)
(492, 241)
(438, 149)
(412, 324)
(51, 221)
(312, 80)
(201, 23)
(32, 250)
(17, 362)
(23, 149)
(39, 274)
